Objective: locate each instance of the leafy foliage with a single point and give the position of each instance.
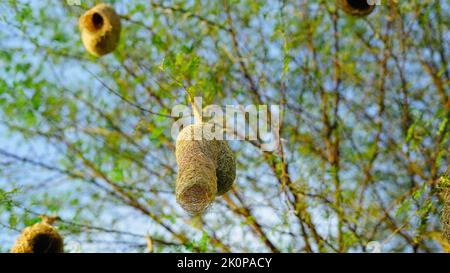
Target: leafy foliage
(364, 137)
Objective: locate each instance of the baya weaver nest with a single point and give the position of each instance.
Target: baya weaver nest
(206, 168)
(100, 30)
(445, 216)
(39, 238)
(356, 7)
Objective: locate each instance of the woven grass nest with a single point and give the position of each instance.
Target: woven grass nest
(100, 30)
(445, 216)
(39, 238)
(206, 168)
(356, 7)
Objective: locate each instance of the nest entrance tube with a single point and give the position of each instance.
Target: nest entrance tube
(359, 4)
(356, 7)
(39, 238)
(97, 21)
(196, 198)
(45, 243)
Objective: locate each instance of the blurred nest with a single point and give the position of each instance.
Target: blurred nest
(356, 7)
(100, 30)
(445, 215)
(40, 238)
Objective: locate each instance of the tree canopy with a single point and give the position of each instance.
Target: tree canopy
(364, 139)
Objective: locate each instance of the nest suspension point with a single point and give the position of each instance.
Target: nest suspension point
(40, 238)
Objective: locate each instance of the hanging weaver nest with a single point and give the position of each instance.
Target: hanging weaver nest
(445, 215)
(356, 7)
(100, 30)
(40, 238)
(206, 168)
